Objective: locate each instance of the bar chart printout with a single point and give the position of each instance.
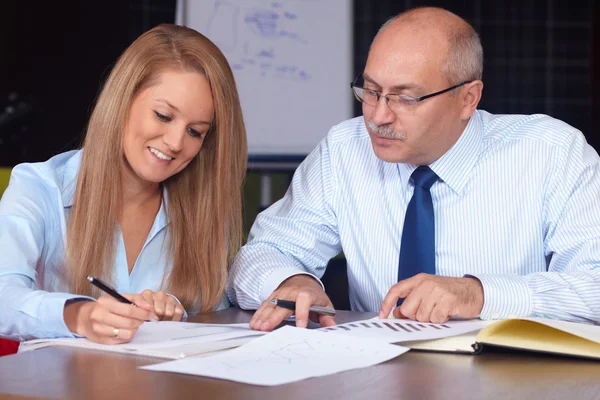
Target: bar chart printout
(399, 330)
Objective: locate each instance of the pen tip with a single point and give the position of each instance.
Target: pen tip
(90, 278)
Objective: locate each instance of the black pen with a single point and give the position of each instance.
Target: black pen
(291, 305)
(108, 290)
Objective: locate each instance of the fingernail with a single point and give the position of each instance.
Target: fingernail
(381, 315)
(301, 323)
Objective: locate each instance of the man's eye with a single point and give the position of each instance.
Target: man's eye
(162, 117)
(407, 100)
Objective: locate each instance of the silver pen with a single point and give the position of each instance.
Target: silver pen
(291, 305)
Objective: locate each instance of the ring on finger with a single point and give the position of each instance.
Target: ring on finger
(116, 333)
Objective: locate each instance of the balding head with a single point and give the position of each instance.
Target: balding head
(416, 60)
(440, 31)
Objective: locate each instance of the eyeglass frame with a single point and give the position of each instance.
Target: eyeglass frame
(417, 100)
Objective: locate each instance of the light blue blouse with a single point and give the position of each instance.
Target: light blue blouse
(34, 212)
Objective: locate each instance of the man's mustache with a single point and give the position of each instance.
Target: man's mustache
(386, 131)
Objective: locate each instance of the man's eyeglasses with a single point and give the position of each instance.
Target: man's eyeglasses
(396, 101)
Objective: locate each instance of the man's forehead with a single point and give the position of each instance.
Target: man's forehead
(407, 42)
(393, 69)
(393, 54)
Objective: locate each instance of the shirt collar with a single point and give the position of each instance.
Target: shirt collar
(162, 218)
(455, 166)
(69, 182)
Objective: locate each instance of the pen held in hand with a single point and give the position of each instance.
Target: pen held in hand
(112, 292)
(108, 290)
(291, 305)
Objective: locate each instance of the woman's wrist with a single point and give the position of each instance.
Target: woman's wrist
(73, 312)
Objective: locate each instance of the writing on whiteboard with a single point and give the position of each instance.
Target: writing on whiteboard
(259, 40)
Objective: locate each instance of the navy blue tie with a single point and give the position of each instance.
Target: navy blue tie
(417, 251)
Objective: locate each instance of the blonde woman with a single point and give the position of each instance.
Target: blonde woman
(151, 203)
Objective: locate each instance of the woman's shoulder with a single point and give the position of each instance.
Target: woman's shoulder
(56, 175)
(57, 171)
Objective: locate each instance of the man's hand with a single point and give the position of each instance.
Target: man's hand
(302, 289)
(432, 298)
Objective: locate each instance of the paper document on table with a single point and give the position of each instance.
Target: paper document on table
(286, 355)
(165, 339)
(402, 330)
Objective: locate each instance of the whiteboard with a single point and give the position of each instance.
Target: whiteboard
(292, 61)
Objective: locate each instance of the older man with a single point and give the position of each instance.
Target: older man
(439, 208)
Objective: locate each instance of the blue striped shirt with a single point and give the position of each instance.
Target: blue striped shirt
(517, 207)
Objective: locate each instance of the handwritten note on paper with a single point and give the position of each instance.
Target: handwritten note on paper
(287, 355)
(401, 330)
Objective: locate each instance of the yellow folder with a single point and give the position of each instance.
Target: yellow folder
(531, 334)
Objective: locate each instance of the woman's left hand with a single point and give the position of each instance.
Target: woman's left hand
(166, 307)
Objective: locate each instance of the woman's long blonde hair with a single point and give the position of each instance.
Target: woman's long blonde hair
(204, 199)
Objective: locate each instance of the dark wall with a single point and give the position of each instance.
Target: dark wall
(538, 58)
(595, 73)
(55, 58)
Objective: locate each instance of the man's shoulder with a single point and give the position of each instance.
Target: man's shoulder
(538, 127)
(348, 130)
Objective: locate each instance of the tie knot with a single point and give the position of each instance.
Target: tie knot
(424, 177)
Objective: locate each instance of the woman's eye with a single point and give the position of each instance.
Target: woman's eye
(162, 117)
(194, 133)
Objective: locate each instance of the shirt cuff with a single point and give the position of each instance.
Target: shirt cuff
(185, 314)
(277, 277)
(52, 314)
(504, 296)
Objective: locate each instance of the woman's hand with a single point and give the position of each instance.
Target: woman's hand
(107, 320)
(166, 307)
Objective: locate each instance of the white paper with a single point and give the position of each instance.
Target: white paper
(286, 355)
(401, 330)
(165, 339)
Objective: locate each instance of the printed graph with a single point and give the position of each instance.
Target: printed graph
(408, 327)
(394, 330)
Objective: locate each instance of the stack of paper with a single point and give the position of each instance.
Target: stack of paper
(165, 339)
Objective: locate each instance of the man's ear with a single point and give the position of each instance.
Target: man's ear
(470, 98)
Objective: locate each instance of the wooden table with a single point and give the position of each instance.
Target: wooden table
(84, 374)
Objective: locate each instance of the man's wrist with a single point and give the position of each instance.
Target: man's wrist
(302, 278)
(476, 294)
